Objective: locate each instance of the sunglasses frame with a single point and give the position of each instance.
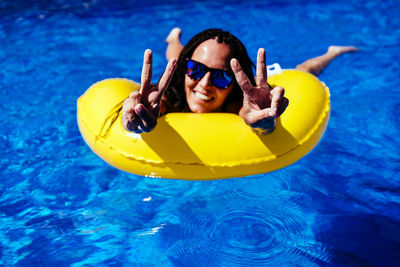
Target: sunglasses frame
(212, 71)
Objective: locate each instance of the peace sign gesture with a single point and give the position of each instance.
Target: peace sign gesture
(261, 103)
(141, 109)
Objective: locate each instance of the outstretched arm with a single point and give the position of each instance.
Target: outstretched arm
(261, 103)
(141, 109)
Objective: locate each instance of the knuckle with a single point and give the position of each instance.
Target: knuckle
(129, 126)
(242, 81)
(134, 94)
(124, 105)
(280, 90)
(127, 110)
(126, 102)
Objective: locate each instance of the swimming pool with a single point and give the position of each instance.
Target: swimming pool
(62, 205)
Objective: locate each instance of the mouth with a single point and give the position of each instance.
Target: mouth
(202, 96)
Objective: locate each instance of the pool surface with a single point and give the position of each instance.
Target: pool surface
(61, 205)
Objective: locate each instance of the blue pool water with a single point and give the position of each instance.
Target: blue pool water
(60, 205)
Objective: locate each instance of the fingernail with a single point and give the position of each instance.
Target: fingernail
(139, 108)
(234, 62)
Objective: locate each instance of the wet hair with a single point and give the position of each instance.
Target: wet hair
(175, 93)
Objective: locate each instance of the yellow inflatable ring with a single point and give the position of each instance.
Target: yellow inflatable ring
(204, 146)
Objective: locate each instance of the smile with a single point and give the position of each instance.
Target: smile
(202, 96)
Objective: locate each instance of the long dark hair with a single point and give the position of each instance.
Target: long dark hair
(175, 93)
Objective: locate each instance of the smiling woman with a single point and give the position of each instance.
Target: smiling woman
(213, 73)
(201, 81)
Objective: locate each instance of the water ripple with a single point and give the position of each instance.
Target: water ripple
(234, 234)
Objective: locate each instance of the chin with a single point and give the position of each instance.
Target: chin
(198, 109)
(197, 106)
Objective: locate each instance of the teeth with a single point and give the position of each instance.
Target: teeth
(201, 96)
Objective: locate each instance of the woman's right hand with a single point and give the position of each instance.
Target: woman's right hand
(141, 109)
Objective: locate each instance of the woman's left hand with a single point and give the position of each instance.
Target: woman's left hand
(261, 103)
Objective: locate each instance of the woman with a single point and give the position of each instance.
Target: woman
(213, 73)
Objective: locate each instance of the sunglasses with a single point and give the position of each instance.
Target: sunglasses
(220, 78)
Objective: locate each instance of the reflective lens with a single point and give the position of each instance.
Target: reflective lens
(220, 78)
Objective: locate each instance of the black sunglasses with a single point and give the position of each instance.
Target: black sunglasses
(220, 78)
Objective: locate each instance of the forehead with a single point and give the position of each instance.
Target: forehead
(213, 54)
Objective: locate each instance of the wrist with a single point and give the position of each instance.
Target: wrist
(264, 126)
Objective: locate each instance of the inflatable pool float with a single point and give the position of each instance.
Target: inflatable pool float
(204, 146)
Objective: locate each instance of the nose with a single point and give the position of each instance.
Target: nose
(205, 81)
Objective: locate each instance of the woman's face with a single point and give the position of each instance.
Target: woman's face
(202, 95)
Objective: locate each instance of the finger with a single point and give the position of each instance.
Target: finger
(132, 127)
(129, 117)
(259, 117)
(284, 103)
(134, 98)
(147, 120)
(261, 70)
(129, 121)
(167, 76)
(277, 94)
(127, 108)
(146, 70)
(240, 76)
